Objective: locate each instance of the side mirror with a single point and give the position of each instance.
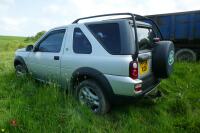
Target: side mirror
(29, 48)
(156, 39)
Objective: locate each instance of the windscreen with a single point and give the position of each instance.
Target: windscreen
(155, 29)
(145, 38)
(153, 24)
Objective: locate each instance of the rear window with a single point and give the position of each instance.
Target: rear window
(108, 36)
(81, 44)
(145, 38)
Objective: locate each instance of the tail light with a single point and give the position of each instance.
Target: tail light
(133, 70)
(138, 88)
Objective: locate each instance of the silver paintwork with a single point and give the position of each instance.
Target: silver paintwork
(115, 67)
(123, 85)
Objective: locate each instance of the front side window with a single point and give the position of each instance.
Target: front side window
(52, 42)
(145, 38)
(108, 35)
(81, 44)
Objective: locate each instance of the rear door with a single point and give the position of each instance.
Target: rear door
(145, 41)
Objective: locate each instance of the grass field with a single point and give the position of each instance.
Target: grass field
(31, 107)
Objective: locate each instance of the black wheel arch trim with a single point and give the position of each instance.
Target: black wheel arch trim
(95, 75)
(21, 60)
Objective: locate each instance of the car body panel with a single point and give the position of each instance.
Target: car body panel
(123, 85)
(114, 67)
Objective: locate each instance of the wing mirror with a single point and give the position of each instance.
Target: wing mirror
(156, 39)
(29, 48)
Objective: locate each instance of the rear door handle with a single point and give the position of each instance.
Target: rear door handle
(56, 57)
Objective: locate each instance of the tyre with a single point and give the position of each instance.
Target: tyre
(20, 70)
(163, 59)
(89, 93)
(185, 55)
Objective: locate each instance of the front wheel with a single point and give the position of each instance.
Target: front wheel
(89, 93)
(20, 70)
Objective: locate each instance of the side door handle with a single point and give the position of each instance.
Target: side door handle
(56, 57)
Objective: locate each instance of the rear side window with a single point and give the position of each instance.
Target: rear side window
(145, 38)
(81, 44)
(108, 36)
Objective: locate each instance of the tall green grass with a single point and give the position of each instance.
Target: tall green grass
(37, 107)
(8, 43)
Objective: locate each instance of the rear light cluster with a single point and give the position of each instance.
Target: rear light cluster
(133, 70)
(138, 88)
(133, 73)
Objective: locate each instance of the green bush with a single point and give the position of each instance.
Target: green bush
(35, 38)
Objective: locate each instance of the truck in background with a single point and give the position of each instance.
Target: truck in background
(183, 29)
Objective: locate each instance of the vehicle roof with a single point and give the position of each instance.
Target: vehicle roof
(60, 27)
(138, 23)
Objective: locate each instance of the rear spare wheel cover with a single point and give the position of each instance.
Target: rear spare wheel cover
(171, 58)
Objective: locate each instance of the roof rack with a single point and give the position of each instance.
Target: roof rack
(117, 14)
(133, 18)
(104, 15)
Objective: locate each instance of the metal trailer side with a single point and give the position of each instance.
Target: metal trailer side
(183, 29)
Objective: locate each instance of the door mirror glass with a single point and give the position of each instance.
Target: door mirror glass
(156, 39)
(29, 47)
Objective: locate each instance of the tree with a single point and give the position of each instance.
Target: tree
(36, 37)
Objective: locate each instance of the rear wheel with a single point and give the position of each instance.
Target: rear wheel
(20, 70)
(185, 55)
(89, 93)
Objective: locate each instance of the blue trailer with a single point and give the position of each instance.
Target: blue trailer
(183, 29)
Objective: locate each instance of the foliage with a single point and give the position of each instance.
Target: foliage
(8, 43)
(30, 107)
(34, 38)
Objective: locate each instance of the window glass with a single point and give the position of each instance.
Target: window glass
(108, 36)
(53, 42)
(145, 38)
(80, 42)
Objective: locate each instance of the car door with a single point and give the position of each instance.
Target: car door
(145, 41)
(44, 61)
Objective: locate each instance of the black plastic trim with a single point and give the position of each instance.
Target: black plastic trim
(94, 74)
(21, 60)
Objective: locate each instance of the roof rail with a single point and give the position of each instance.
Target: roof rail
(117, 14)
(133, 17)
(104, 15)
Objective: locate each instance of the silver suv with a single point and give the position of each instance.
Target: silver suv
(102, 61)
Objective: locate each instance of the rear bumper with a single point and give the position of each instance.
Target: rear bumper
(123, 87)
(117, 99)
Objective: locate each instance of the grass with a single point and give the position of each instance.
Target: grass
(10, 43)
(36, 107)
